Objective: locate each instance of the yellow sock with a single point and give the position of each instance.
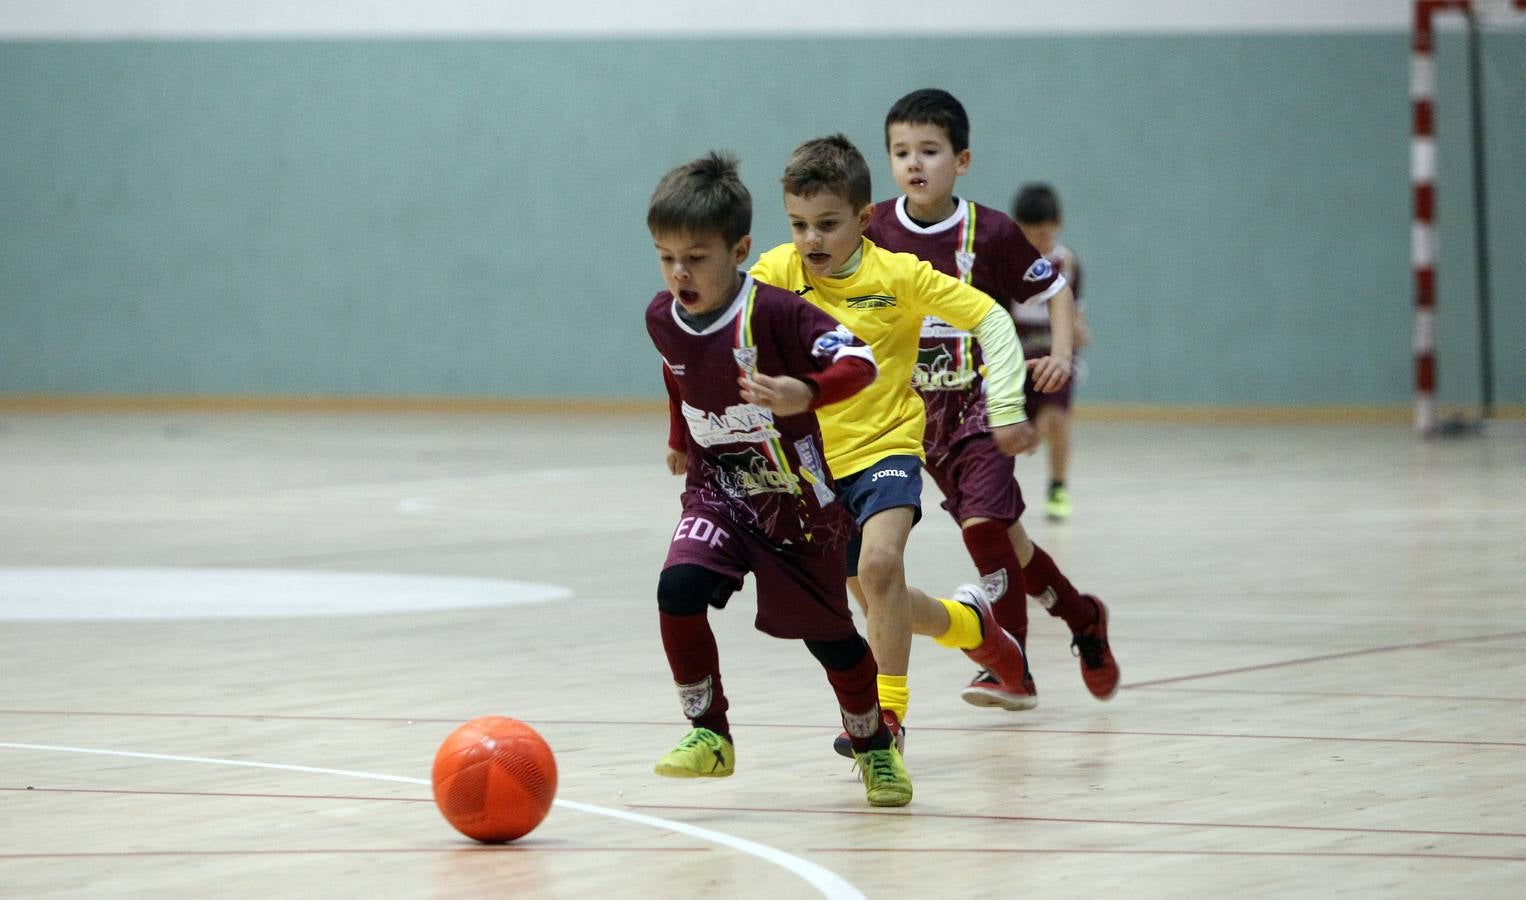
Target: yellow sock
(963, 626)
(894, 694)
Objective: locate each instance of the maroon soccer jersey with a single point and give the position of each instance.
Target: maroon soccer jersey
(766, 472)
(983, 247)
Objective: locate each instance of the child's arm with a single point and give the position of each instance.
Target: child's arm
(1052, 371)
(1006, 408)
(790, 396)
(678, 429)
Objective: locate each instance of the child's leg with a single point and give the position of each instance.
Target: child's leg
(684, 593)
(1043, 580)
(1054, 425)
(852, 672)
(1001, 572)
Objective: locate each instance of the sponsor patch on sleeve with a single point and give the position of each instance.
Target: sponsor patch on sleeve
(832, 341)
(1041, 270)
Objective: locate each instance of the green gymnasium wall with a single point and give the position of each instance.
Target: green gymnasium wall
(449, 218)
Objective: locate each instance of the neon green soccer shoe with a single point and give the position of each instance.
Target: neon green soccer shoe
(886, 781)
(701, 754)
(1057, 505)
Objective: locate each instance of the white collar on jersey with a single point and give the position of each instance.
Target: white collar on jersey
(953, 220)
(737, 302)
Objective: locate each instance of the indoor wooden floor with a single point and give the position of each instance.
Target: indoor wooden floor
(230, 644)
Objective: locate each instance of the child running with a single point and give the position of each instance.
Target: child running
(1036, 209)
(744, 364)
(874, 439)
(927, 136)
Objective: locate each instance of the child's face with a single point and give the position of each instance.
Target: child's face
(924, 162)
(700, 269)
(1044, 236)
(826, 229)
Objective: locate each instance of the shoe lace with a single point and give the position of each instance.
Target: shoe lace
(1091, 650)
(696, 738)
(878, 763)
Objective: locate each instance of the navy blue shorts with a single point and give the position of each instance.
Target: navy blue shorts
(892, 482)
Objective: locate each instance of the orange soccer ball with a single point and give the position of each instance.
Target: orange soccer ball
(494, 779)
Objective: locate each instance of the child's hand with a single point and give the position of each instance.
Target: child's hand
(678, 461)
(1021, 437)
(784, 395)
(1049, 373)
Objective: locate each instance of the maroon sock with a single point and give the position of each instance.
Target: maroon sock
(858, 697)
(695, 661)
(991, 548)
(1044, 580)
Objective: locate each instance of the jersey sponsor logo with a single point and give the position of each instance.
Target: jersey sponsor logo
(1040, 270)
(965, 262)
(814, 468)
(934, 327)
(831, 342)
(803, 291)
(748, 473)
(888, 473)
(871, 301)
(743, 423)
(936, 370)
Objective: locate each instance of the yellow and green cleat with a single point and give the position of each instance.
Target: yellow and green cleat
(701, 754)
(1057, 505)
(886, 782)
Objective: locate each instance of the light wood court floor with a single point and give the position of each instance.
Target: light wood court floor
(1322, 631)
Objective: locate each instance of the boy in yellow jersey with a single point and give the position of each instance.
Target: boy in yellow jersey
(874, 439)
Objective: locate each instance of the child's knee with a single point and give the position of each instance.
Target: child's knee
(685, 590)
(879, 569)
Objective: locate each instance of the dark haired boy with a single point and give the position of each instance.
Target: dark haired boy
(745, 364)
(927, 136)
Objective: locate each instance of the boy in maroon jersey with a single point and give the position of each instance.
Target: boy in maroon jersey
(1036, 208)
(745, 364)
(927, 136)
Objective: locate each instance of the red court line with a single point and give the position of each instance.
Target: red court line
(1326, 657)
(1142, 823)
(339, 851)
(1365, 695)
(57, 790)
(948, 729)
(1040, 851)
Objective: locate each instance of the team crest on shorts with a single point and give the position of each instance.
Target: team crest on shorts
(695, 697)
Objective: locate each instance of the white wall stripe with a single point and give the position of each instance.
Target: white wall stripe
(101, 19)
(827, 883)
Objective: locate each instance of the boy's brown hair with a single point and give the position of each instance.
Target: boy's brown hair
(705, 196)
(831, 164)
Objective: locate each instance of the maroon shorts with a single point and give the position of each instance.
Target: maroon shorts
(1037, 400)
(801, 596)
(977, 480)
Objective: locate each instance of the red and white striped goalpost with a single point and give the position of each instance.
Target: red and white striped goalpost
(1422, 92)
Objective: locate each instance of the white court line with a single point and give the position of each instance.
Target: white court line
(828, 883)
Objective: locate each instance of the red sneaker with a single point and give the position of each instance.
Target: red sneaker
(987, 690)
(1098, 668)
(999, 652)
(844, 744)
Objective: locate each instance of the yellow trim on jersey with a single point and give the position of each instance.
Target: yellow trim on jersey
(747, 360)
(883, 302)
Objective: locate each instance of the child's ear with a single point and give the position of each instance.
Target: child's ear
(741, 250)
(962, 161)
(864, 215)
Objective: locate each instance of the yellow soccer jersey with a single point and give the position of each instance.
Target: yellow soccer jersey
(883, 302)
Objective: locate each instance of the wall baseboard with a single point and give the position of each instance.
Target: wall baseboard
(334, 403)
